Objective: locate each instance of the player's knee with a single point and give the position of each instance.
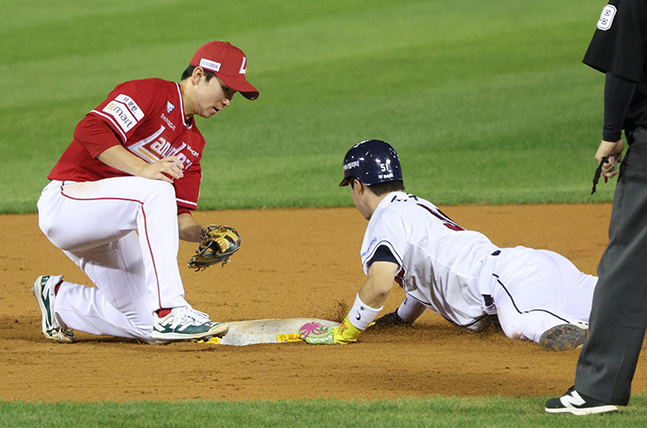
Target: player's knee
(45, 224)
(163, 188)
(528, 326)
(163, 192)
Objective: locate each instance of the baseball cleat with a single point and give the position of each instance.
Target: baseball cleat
(564, 337)
(577, 404)
(44, 290)
(186, 324)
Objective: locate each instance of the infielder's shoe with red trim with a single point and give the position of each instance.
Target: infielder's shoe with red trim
(564, 337)
(44, 290)
(186, 324)
(578, 404)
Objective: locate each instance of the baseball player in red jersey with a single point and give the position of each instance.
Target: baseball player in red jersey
(120, 198)
(537, 295)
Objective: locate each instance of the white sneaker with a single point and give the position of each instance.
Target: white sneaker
(44, 290)
(185, 323)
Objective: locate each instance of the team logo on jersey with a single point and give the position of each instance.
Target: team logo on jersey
(156, 147)
(169, 107)
(606, 18)
(369, 247)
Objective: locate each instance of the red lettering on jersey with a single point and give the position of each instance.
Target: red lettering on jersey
(399, 277)
(447, 222)
(156, 147)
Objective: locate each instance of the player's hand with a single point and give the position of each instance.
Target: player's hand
(315, 333)
(613, 152)
(390, 319)
(167, 169)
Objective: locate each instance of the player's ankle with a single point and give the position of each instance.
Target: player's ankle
(163, 312)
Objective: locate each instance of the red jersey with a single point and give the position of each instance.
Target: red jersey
(147, 118)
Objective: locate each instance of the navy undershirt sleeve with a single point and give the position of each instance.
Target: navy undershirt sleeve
(383, 254)
(618, 93)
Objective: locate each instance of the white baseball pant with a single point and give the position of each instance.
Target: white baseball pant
(123, 234)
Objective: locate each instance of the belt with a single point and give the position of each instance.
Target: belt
(488, 300)
(485, 275)
(637, 134)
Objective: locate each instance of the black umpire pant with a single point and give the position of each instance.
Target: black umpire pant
(607, 363)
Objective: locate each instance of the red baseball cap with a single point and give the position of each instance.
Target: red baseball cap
(230, 65)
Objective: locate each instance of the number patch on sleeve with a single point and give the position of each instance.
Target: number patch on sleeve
(606, 18)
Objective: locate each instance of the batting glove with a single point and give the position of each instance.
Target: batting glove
(317, 334)
(391, 319)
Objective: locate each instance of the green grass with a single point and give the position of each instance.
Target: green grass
(410, 412)
(486, 102)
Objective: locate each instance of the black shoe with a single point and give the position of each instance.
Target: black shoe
(577, 404)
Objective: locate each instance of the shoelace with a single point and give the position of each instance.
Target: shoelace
(188, 316)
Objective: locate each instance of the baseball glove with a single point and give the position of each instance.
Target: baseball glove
(391, 319)
(217, 245)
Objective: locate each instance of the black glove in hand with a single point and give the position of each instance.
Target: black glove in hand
(390, 319)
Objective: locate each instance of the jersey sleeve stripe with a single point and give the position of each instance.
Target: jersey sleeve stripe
(188, 204)
(114, 126)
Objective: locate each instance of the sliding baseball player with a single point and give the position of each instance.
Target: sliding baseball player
(537, 295)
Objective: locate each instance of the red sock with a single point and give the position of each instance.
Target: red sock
(163, 312)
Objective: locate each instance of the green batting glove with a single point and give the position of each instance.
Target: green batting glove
(315, 333)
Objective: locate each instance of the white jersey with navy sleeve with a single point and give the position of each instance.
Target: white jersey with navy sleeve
(461, 275)
(440, 261)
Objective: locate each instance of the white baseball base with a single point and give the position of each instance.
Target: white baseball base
(243, 333)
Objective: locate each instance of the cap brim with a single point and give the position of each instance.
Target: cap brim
(344, 182)
(250, 95)
(241, 85)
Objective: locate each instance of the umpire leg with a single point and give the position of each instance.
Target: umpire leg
(607, 363)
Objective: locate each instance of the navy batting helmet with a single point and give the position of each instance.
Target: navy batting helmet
(371, 162)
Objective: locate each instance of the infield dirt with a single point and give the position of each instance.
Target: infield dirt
(292, 263)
